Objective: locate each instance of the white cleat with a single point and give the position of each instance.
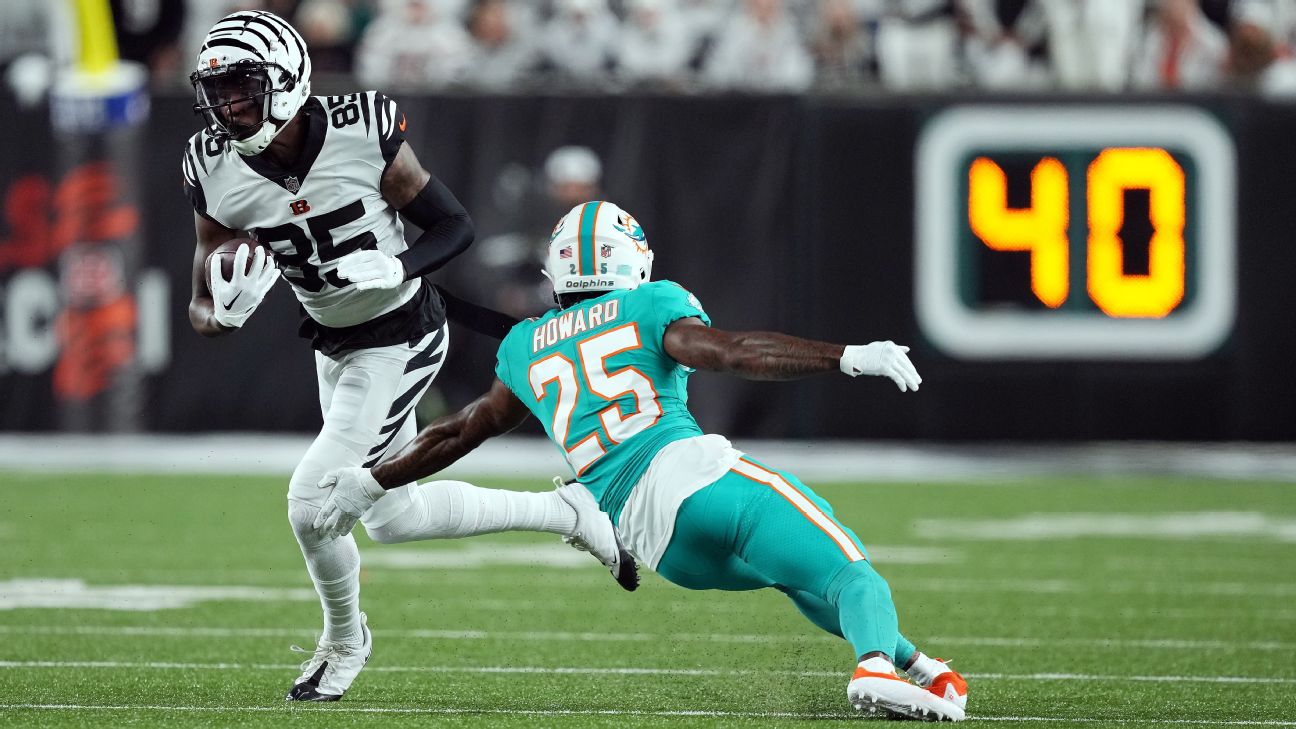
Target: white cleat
(328, 673)
(875, 688)
(595, 534)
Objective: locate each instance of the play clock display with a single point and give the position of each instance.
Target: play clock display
(1071, 232)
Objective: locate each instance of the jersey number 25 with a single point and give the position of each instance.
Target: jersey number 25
(614, 427)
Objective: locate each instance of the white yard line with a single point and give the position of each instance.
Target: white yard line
(538, 635)
(523, 457)
(629, 671)
(298, 710)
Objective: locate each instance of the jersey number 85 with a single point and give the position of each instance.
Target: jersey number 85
(296, 263)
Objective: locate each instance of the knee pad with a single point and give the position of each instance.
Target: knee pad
(325, 454)
(301, 517)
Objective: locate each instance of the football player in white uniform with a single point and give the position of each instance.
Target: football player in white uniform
(320, 182)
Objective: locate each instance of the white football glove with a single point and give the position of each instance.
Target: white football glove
(881, 358)
(233, 301)
(354, 491)
(371, 270)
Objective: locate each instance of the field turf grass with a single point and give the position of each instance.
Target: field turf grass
(1124, 629)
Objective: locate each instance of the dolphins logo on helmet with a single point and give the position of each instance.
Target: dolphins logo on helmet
(628, 225)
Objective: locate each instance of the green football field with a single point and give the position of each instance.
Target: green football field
(1066, 602)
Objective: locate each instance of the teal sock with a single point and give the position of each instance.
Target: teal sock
(904, 651)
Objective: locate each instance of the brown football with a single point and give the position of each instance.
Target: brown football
(225, 254)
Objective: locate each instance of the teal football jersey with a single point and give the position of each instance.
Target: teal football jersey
(598, 378)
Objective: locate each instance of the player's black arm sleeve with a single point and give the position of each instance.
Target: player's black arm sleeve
(447, 229)
(478, 318)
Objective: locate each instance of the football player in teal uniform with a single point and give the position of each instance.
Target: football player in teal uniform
(606, 373)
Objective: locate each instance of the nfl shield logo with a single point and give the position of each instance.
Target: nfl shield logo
(606, 251)
(292, 184)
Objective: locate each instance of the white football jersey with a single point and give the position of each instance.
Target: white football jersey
(327, 205)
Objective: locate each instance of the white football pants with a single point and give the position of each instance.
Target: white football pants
(368, 398)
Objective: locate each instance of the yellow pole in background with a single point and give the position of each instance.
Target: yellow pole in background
(98, 51)
(107, 327)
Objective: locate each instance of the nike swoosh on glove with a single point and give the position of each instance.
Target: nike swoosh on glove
(235, 300)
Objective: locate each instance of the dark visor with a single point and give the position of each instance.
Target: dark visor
(234, 100)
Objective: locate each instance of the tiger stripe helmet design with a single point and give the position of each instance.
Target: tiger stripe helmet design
(255, 58)
(597, 246)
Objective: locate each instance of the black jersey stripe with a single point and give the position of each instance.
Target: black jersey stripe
(187, 168)
(386, 118)
(364, 110)
(380, 110)
(199, 154)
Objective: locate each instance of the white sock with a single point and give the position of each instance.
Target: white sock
(454, 509)
(334, 567)
(925, 669)
(877, 664)
(340, 599)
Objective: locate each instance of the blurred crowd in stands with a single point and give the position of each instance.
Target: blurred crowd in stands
(761, 46)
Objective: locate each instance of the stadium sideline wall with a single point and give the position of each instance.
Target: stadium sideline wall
(797, 214)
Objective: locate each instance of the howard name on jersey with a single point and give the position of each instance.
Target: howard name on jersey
(327, 205)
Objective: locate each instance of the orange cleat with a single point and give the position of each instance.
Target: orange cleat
(875, 686)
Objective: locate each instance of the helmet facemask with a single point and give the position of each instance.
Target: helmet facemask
(234, 100)
(253, 76)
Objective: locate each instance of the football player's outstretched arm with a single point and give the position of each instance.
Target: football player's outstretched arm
(451, 437)
(776, 356)
(445, 440)
(424, 201)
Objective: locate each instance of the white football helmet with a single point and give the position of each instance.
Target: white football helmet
(597, 247)
(253, 76)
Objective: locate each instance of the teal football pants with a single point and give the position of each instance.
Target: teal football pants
(757, 527)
